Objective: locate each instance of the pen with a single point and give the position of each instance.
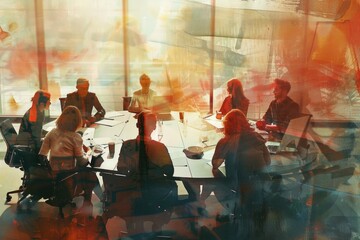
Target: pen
(109, 118)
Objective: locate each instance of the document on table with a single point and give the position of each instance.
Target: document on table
(212, 120)
(107, 122)
(222, 165)
(113, 114)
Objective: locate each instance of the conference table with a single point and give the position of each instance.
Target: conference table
(177, 135)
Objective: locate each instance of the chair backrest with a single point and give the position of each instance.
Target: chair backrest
(126, 102)
(62, 103)
(9, 135)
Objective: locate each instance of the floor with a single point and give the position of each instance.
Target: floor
(297, 211)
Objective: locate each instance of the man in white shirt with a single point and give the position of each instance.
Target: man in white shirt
(143, 98)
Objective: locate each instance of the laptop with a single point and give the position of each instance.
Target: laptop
(294, 132)
(161, 107)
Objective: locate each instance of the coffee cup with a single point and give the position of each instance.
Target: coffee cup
(181, 116)
(111, 146)
(218, 115)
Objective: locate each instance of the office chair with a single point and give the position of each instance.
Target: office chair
(58, 189)
(129, 199)
(62, 103)
(126, 103)
(12, 156)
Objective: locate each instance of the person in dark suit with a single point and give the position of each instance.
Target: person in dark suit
(85, 101)
(281, 110)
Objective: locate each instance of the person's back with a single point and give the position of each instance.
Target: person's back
(147, 164)
(135, 153)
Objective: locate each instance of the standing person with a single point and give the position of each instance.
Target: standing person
(31, 132)
(66, 150)
(281, 110)
(142, 98)
(85, 101)
(236, 98)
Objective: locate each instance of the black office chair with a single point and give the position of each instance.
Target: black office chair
(58, 189)
(12, 157)
(129, 199)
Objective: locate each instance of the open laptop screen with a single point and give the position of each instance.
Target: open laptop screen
(294, 132)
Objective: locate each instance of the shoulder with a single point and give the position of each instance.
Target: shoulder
(292, 102)
(245, 101)
(137, 92)
(253, 138)
(223, 141)
(128, 145)
(73, 94)
(152, 92)
(91, 94)
(74, 136)
(157, 144)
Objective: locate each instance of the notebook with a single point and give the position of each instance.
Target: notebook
(161, 108)
(294, 132)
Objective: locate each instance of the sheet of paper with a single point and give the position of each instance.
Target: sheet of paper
(109, 123)
(113, 114)
(102, 140)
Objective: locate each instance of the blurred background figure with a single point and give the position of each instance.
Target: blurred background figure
(31, 132)
(142, 98)
(85, 101)
(236, 98)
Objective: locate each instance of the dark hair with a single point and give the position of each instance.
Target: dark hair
(285, 85)
(237, 93)
(80, 81)
(144, 76)
(70, 119)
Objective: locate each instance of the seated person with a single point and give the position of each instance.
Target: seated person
(142, 98)
(85, 101)
(236, 98)
(281, 110)
(147, 161)
(31, 132)
(245, 155)
(66, 150)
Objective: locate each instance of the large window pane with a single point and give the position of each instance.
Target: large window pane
(160, 46)
(84, 39)
(18, 56)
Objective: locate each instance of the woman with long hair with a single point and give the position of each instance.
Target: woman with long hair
(30, 131)
(236, 98)
(67, 152)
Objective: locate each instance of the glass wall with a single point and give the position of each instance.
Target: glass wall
(19, 76)
(188, 48)
(161, 46)
(84, 39)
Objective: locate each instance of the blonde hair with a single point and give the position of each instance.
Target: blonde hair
(70, 119)
(235, 122)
